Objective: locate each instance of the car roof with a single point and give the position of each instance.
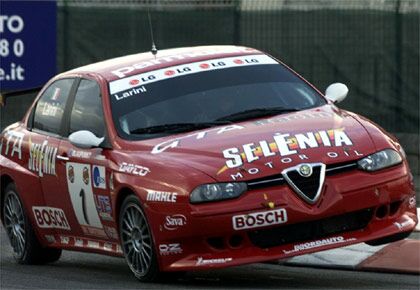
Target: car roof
(125, 66)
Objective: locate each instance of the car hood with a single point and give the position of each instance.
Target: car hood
(265, 146)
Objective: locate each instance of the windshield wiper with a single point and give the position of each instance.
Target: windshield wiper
(177, 127)
(255, 113)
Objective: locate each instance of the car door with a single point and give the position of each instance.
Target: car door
(84, 174)
(42, 148)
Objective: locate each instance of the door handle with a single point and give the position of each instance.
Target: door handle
(64, 158)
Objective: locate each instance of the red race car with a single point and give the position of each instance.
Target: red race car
(197, 158)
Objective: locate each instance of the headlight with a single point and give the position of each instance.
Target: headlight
(380, 160)
(217, 191)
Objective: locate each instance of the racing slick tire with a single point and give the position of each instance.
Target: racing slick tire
(26, 247)
(137, 241)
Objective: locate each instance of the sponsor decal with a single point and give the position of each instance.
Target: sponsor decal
(99, 177)
(50, 239)
(293, 117)
(79, 154)
(64, 240)
(100, 157)
(111, 182)
(86, 174)
(56, 94)
(111, 232)
(103, 206)
(50, 218)
(173, 222)
(121, 89)
(92, 231)
(318, 243)
(285, 145)
(50, 109)
(162, 196)
(92, 244)
(70, 174)
(201, 261)
(78, 242)
(79, 186)
(124, 71)
(170, 249)
(108, 247)
(134, 169)
(129, 93)
(255, 170)
(13, 144)
(259, 219)
(42, 158)
(173, 143)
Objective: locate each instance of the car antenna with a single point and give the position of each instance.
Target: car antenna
(154, 50)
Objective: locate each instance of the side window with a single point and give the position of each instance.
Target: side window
(50, 108)
(87, 111)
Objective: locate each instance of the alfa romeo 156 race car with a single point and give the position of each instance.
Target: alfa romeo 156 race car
(197, 158)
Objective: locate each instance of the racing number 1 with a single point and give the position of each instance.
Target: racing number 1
(79, 184)
(82, 195)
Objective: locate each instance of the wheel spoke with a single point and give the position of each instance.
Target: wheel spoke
(133, 260)
(8, 207)
(142, 264)
(137, 217)
(22, 231)
(130, 255)
(146, 253)
(133, 219)
(143, 228)
(145, 261)
(20, 236)
(15, 205)
(13, 241)
(128, 242)
(8, 216)
(127, 233)
(20, 243)
(129, 251)
(139, 262)
(127, 224)
(129, 219)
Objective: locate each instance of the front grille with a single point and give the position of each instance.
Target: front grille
(311, 230)
(307, 185)
(278, 180)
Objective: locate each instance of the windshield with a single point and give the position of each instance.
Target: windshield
(206, 94)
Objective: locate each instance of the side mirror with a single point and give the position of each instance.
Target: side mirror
(85, 139)
(336, 92)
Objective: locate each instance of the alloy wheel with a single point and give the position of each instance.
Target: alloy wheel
(14, 221)
(136, 240)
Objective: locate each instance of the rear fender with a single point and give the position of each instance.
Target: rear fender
(27, 184)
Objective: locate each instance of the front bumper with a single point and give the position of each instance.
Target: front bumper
(355, 207)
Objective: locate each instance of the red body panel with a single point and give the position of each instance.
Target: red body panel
(175, 165)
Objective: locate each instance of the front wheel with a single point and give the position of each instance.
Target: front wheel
(26, 247)
(137, 242)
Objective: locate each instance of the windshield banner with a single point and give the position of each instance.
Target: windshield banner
(123, 88)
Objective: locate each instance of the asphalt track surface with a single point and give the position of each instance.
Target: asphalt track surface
(91, 271)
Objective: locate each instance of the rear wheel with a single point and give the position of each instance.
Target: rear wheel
(137, 242)
(26, 247)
